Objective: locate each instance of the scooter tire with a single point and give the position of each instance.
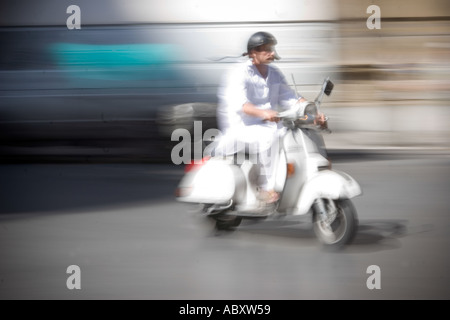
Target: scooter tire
(226, 222)
(343, 228)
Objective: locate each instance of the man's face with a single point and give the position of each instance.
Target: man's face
(264, 54)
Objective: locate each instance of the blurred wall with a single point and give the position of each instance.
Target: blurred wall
(107, 12)
(392, 84)
(96, 90)
(395, 81)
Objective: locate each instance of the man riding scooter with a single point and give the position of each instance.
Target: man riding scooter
(259, 114)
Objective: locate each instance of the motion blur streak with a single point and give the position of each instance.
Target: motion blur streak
(134, 63)
(137, 70)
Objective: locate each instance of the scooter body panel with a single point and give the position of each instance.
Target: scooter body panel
(303, 158)
(213, 182)
(326, 184)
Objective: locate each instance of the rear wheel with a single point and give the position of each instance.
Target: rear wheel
(340, 227)
(226, 222)
(218, 214)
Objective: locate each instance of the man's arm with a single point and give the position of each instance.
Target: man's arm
(264, 114)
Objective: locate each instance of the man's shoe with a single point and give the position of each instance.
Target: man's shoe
(269, 197)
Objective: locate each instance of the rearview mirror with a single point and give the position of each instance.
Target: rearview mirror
(329, 87)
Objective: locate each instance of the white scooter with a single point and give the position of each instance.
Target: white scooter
(227, 190)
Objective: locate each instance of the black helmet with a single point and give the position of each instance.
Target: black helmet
(259, 39)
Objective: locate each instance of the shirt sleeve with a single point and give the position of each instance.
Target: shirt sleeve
(232, 95)
(233, 91)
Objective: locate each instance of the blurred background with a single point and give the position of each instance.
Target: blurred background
(136, 70)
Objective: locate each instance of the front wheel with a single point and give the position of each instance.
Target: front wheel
(340, 227)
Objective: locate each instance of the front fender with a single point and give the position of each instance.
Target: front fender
(326, 184)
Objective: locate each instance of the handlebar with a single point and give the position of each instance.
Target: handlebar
(306, 121)
(300, 116)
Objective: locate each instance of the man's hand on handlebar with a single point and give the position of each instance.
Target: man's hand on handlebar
(320, 119)
(270, 115)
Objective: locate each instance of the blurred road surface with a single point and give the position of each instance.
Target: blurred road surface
(121, 225)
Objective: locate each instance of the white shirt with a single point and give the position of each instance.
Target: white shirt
(245, 84)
